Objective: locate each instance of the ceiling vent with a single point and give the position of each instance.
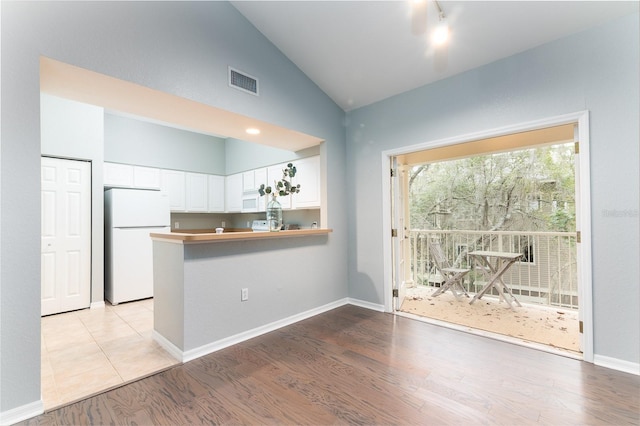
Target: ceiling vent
(243, 81)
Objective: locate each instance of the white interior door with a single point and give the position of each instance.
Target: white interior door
(66, 235)
(401, 273)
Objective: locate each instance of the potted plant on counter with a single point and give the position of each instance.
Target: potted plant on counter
(281, 188)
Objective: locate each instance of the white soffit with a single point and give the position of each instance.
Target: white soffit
(512, 142)
(78, 84)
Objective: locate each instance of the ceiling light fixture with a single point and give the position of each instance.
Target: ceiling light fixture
(440, 33)
(419, 18)
(253, 131)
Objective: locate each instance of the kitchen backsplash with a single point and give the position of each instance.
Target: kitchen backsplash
(302, 218)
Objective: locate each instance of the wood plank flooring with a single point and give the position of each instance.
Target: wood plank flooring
(356, 366)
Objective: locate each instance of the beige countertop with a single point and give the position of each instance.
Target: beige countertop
(202, 236)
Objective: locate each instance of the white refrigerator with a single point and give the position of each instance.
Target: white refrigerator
(130, 216)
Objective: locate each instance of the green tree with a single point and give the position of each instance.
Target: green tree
(532, 189)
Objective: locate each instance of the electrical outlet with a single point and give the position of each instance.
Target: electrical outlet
(248, 224)
(177, 225)
(223, 223)
(244, 294)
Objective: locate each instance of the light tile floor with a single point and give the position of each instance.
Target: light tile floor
(86, 352)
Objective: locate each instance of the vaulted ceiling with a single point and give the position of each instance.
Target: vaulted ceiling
(360, 52)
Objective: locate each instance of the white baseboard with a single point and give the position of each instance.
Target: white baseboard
(173, 350)
(24, 412)
(192, 354)
(617, 364)
(365, 304)
(97, 305)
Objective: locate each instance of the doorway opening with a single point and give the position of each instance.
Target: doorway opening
(520, 194)
(83, 351)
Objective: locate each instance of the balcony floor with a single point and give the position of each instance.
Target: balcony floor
(550, 326)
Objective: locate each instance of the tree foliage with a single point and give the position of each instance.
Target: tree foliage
(532, 189)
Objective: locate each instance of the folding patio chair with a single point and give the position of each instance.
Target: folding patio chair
(452, 276)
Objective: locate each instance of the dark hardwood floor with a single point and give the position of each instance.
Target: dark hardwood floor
(356, 366)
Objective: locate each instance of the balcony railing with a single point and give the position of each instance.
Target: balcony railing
(546, 273)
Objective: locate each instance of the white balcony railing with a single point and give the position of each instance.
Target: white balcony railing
(545, 275)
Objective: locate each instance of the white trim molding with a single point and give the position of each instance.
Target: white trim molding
(191, 354)
(368, 305)
(21, 413)
(617, 364)
(97, 305)
(581, 120)
(173, 350)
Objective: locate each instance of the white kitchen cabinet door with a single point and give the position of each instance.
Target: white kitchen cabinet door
(260, 177)
(308, 177)
(274, 173)
(65, 235)
(197, 193)
(249, 181)
(146, 177)
(173, 184)
(216, 193)
(117, 175)
(233, 193)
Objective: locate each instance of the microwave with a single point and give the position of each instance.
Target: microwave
(253, 203)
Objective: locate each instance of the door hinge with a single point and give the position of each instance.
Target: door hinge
(394, 232)
(576, 148)
(578, 237)
(581, 326)
(394, 292)
(393, 173)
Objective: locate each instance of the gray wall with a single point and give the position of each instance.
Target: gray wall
(242, 155)
(135, 141)
(182, 48)
(595, 70)
(132, 141)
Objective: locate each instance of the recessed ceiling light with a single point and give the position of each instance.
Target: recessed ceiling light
(253, 131)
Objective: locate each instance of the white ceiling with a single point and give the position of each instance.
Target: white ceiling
(360, 52)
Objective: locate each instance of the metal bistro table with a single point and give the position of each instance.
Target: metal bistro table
(493, 265)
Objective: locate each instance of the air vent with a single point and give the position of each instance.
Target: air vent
(243, 81)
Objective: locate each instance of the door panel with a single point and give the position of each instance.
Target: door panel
(400, 242)
(66, 235)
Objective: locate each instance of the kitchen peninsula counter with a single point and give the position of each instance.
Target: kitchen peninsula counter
(211, 290)
(197, 236)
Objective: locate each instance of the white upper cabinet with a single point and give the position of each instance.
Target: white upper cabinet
(129, 176)
(260, 177)
(233, 192)
(173, 183)
(117, 175)
(308, 177)
(197, 192)
(249, 181)
(146, 177)
(216, 193)
(252, 179)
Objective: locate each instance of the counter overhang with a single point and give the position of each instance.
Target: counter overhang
(200, 238)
